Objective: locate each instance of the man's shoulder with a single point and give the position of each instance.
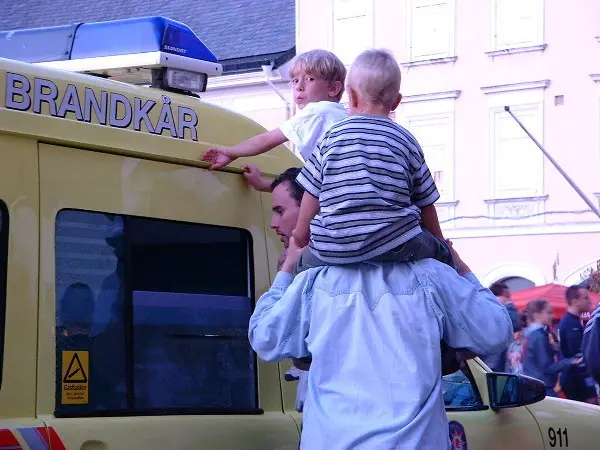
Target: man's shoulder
(363, 277)
(568, 322)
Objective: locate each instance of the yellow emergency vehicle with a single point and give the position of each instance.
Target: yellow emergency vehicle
(128, 271)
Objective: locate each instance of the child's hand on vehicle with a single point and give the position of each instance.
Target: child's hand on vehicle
(252, 176)
(218, 156)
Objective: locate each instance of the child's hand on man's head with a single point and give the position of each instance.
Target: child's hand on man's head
(218, 156)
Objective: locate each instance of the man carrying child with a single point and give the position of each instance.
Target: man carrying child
(369, 303)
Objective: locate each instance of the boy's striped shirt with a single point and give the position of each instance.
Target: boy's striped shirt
(371, 180)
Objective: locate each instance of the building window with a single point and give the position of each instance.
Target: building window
(517, 163)
(152, 317)
(352, 28)
(431, 28)
(430, 118)
(517, 23)
(3, 276)
(434, 134)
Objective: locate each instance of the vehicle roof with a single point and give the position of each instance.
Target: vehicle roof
(216, 126)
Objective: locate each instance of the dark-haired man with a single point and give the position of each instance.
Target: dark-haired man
(575, 382)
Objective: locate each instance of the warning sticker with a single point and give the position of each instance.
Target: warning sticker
(75, 382)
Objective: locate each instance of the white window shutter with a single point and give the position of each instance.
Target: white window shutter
(434, 135)
(517, 23)
(517, 163)
(352, 28)
(430, 30)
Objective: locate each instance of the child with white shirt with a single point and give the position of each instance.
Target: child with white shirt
(317, 79)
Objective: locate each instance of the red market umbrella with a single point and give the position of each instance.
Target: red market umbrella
(554, 293)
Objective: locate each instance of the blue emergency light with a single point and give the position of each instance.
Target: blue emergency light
(150, 50)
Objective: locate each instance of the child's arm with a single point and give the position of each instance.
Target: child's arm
(252, 176)
(430, 221)
(221, 156)
(308, 210)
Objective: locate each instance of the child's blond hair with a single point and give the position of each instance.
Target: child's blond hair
(322, 64)
(375, 75)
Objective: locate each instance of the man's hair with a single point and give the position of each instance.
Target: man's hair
(289, 177)
(321, 64)
(498, 288)
(572, 293)
(535, 307)
(375, 74)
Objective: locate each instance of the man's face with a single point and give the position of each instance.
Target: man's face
(285, 212)
(583, 302)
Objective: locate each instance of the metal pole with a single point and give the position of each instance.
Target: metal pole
(593, 207)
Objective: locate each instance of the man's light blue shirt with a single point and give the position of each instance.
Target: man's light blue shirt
(374, 333)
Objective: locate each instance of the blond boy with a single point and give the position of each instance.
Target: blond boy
(367, 186)
(317, 79)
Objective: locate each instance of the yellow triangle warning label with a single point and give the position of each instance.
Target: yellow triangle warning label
(75, 372)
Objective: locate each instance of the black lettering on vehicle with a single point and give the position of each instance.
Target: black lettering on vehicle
(18, 89)
(558, 437)
(44, 91)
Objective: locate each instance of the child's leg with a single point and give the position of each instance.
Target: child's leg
(424, 245)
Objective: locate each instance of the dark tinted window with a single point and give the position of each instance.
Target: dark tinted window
(3, 271)
(162, 310)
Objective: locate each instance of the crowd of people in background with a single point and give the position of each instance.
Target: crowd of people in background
(547, 349)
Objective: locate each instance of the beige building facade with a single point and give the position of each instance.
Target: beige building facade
(509, 211)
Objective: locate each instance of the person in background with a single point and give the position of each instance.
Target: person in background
(540, 349)
(499, 362)
(576, 383)
(514, 354)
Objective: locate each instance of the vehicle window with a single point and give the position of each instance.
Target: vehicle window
(158, 312)
(3, 272)
(460, 390)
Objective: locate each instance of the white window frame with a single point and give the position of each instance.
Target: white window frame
(432, 106)
(536, 45)
(447, 56)
(520, 97)
(369, 21)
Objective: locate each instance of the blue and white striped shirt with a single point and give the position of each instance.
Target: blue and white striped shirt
(371, 180)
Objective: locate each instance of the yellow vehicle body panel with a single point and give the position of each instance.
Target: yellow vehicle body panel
(50, 163)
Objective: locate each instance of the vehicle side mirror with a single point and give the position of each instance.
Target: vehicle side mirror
(510, 391)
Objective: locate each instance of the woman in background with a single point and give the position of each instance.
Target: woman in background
(540, 351)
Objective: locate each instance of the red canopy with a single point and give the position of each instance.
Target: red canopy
(554, 293)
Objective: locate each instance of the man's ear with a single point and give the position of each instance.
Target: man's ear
(397, 102)
(335, 88)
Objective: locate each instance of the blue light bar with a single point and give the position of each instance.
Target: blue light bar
(105, 39)
(149, 34)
